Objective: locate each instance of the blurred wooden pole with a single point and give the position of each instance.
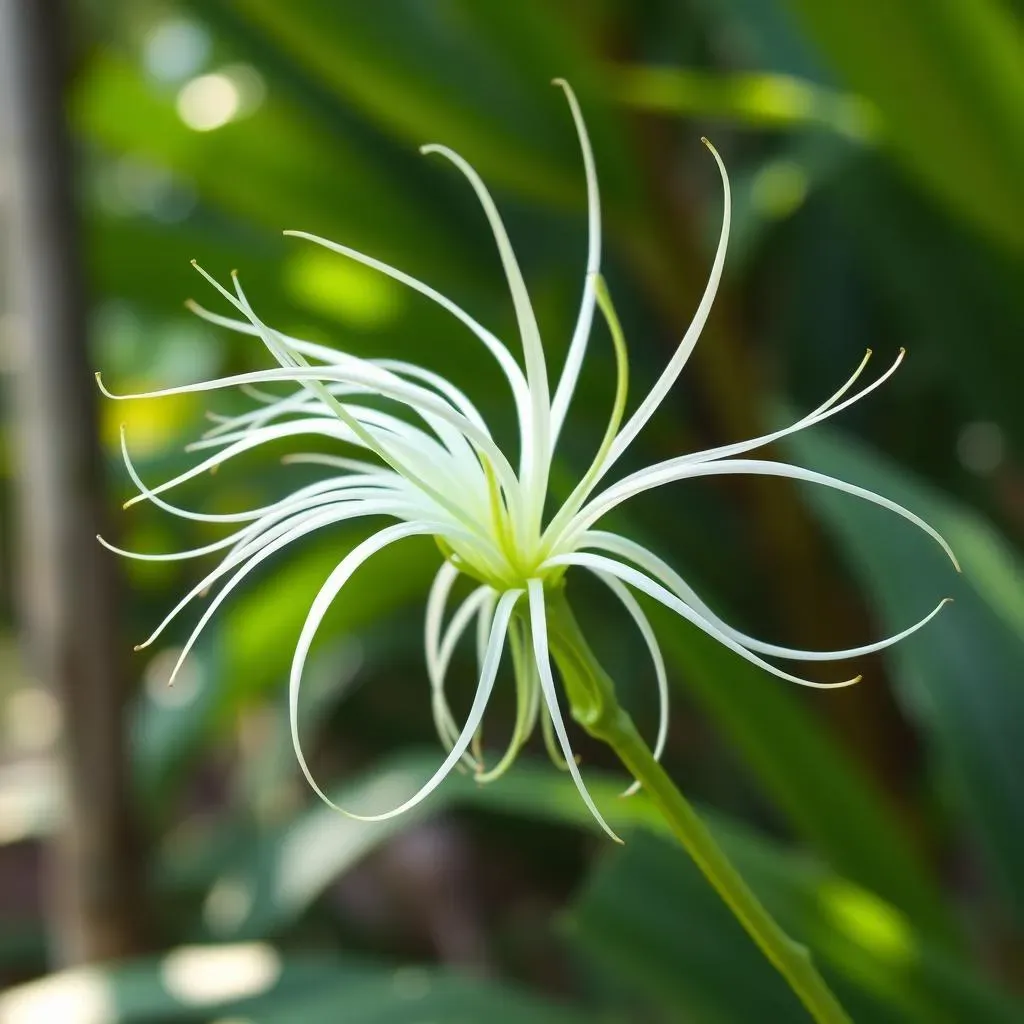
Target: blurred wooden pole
(67, 592)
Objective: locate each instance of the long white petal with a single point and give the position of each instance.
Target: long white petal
(584, 321)
(527, 704)
(258, 548)
(476, 713)
(505, 359)
(666, 575)
(637, 579)
(330, 356)
(387, 480)
(172, 556)
(677, 469)
(411, 469)
(657, 394)
(630, 603)
(823, 412)
(539, 630)
(235, 580)
(415, 397)
(536, 459)
(408, 443)
(464, 614)
(437, 601)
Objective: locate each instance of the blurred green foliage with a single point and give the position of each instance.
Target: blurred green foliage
(877, 151)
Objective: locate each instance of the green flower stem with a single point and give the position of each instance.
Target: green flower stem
(591, 694)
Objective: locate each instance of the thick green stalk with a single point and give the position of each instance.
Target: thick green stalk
(592, 697)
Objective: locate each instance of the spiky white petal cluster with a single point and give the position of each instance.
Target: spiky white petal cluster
(431, 465)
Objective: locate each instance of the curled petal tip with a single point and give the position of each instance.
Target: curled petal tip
(560, 82)
(138, 647)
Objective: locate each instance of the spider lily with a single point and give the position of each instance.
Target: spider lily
(430, 464)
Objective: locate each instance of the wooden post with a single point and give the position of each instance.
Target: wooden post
(67, 591)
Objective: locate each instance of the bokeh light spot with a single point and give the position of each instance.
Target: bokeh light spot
(868, 921)
(72, 997)
(32, 719)
(175, 49)
(209, 102)
(196, 975)
(355, 295)
(227, 905)
(779, 188)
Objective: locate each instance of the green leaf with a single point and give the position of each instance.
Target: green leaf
(667, 918)
(256, 982)
(960, 678)
(384, 60)
(281, 875)
(648, 915)
(273, 169)
(945, 76)
(755, 100)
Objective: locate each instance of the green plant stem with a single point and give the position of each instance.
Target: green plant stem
(592, 697)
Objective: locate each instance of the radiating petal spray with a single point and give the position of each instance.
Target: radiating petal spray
(426, 463)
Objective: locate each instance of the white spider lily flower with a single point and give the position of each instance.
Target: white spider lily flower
(431, 466)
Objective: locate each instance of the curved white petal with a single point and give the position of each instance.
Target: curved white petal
(387, 480)
(677, 469)
(172, 556)
(476, 713)
(330, 356)
(527, 704)
(666, 575)
(257, 549)
(657, 394)
(437, 601)
(410, 444)
(261, 555)
(511, 369)
(464, 615)
(411, 469)
(637, 579)
(630, 603)
(415, 397)
(823, 412)
(536, 459)
(584, 321)
(539, 630)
